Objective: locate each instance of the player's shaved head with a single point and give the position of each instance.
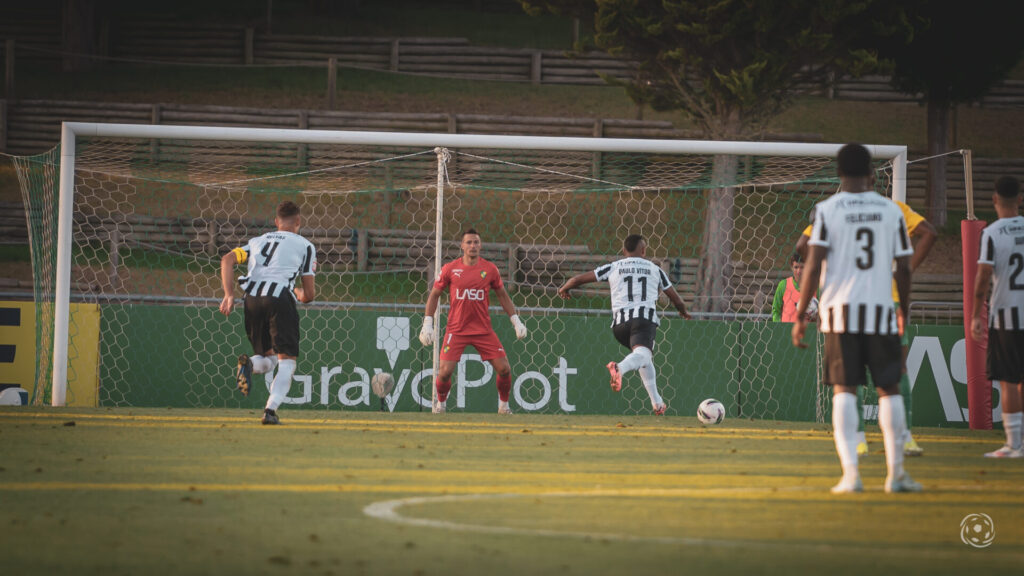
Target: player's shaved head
(468, 232)
(287, 210)
(1008, 187)
(853, 161)
(632, 242)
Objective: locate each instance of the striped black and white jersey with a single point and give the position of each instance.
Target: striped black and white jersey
(635, 283)
(1002, 247)
(863, 233)
(275, 260)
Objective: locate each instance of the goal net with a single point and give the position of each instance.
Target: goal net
(127, 241)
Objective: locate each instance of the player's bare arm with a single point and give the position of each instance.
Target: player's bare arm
(677, 301)
(902, 276)
(808, 288)
(982, 281)
(802, 245)
(227, 282)
(925, 235)
(575, 281)
(506, 304)
(307, 292)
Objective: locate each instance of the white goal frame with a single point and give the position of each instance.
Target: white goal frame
(72, 130)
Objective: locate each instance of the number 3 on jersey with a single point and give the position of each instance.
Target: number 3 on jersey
(866, 236)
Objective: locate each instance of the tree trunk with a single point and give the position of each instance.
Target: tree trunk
(938, 145)
(79, 35)
(714, 277)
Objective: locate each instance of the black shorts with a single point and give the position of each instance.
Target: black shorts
(636, 332)
(847, 356)
(1005, 355)
(272, 324)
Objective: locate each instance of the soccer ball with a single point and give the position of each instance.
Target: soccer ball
(711, 411)
(382, 384)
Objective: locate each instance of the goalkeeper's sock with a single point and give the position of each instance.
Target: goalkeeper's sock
(504, 387)
(282, 382)
(908, 400)
(634, 360)
(262, 364)
(861, 391)
(844, 430)
(443, 385)
(1012, 427)
(648, 376)
(891, 421)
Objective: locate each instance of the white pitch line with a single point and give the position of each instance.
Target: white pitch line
(387, 510)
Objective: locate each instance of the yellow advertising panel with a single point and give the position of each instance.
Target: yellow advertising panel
(18, 350)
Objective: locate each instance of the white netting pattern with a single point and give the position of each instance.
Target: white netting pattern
(152, 219)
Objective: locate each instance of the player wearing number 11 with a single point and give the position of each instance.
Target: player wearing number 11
(635, 283)
(274, 261)
(859, 233)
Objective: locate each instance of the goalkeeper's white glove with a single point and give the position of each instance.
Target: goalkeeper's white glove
(519, 326)
(427, 332)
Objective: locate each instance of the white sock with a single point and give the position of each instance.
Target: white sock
(844, 429)
(862, 437)
(282, 382)
(892, 421)
(648, 374)
(262, 364)
(635, 359)
(1012, 426)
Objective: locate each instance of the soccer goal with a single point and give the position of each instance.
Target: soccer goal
(128, 224)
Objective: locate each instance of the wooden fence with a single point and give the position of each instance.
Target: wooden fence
(212, 44)
(532, 266)
(32, 126)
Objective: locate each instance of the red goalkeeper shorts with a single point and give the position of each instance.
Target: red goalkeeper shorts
(487, 345)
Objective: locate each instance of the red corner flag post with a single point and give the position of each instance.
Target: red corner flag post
(979, 389)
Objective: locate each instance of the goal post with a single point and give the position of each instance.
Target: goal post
(552, 204)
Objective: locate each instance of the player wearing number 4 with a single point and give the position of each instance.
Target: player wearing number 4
(859, 233)
(1001, 263)
(274, 261)
(635, 283)
(469, 281)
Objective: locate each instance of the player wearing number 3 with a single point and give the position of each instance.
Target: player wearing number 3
(469, 281)
(859, 234)
(635, 283)
(274, 261)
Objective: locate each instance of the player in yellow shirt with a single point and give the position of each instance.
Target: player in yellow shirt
(924, 235)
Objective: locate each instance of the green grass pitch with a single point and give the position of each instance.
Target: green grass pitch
(158, 491)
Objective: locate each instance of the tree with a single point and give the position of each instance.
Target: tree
(957, 55)
(731, 65)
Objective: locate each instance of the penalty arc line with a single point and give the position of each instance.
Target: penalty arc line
(388, 511)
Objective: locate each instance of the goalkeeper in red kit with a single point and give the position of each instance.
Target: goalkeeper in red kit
(469, 281)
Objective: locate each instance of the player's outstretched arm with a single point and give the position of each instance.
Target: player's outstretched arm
(427, 333)
(808, 288)
(577, 280)
(506, 304)
(677, 301)
(227, 282)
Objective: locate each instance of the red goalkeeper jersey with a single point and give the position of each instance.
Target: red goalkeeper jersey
(469, 288)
